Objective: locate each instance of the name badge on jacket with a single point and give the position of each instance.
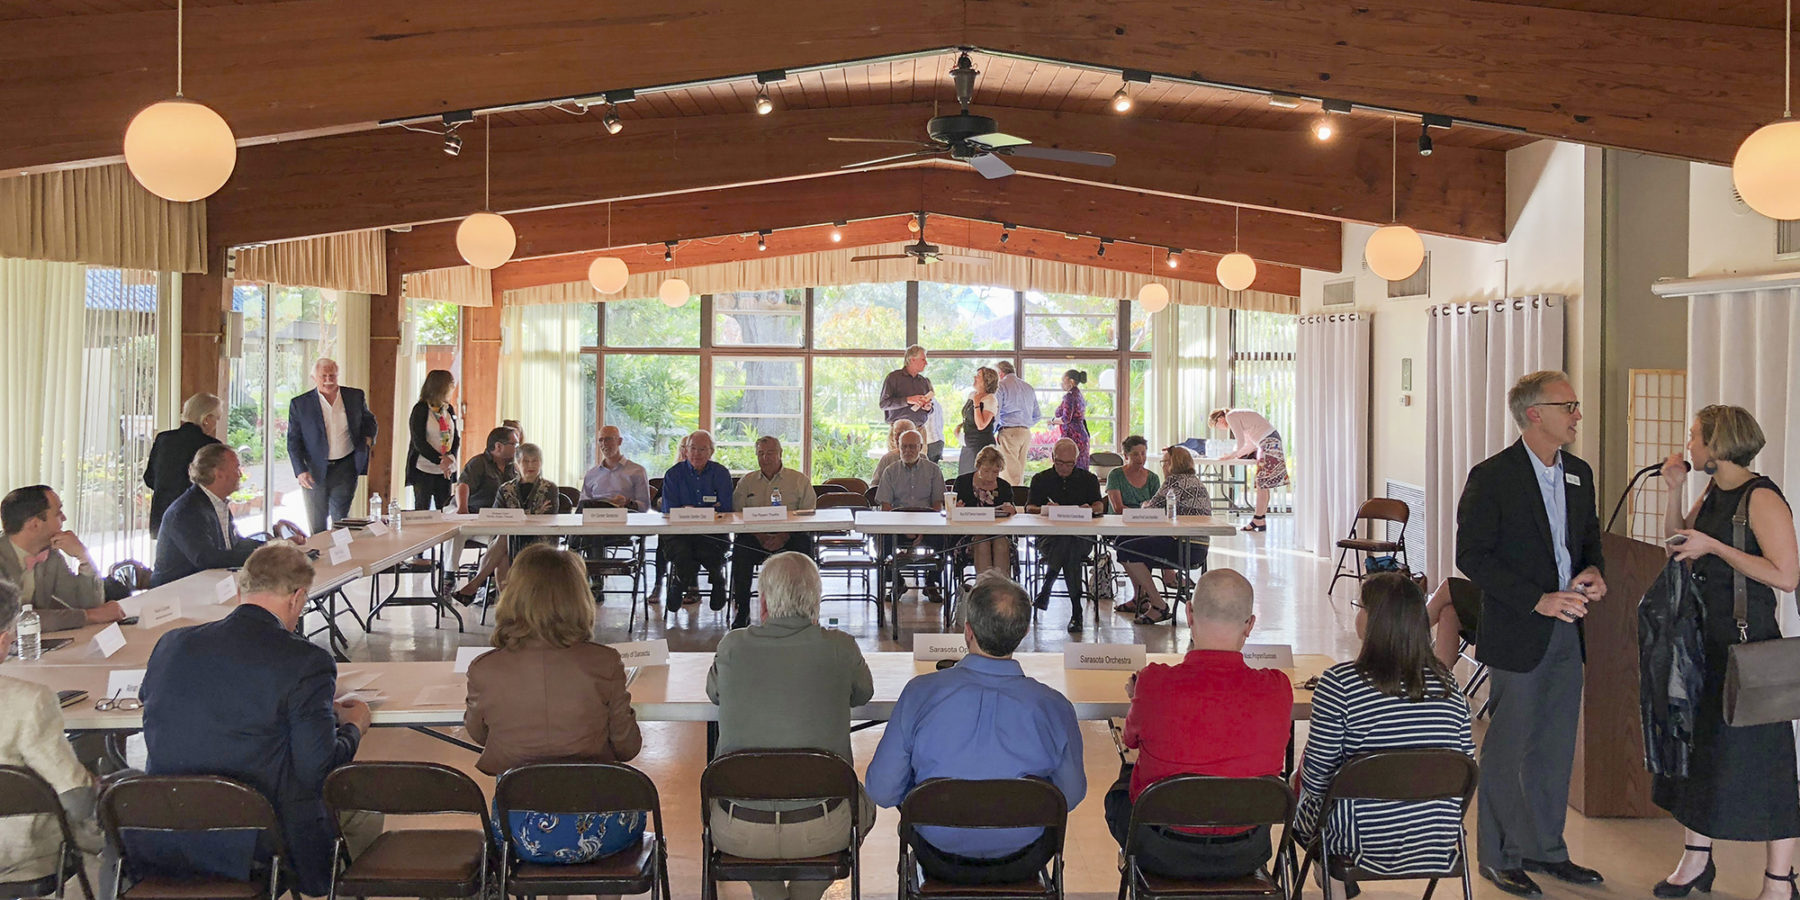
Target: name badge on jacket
(1572, 478)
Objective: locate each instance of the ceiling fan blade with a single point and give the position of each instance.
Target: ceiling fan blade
(964, 260)
(1083, 157)
(880, 257)
(888, 159)
(990, 166)
(996, 140)
(857, 140)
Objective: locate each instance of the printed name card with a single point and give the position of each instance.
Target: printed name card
(340, 554)
(123, 684)
(933, 647)
(1269, 656)
(972, 514)
(466, 655)
(420, 516)
(154, 614)
(690, 514)
(1070, 513)
(643, 653)
(1148, 515)
(226, 590)
(1124, 657)
(342, 536)
(766, 514)
(377, 528)
(109, 640)
(604, 515)
(501, 514)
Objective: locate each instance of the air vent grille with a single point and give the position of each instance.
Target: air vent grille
(1417, 544)
(1418, 285)
(1341, 292)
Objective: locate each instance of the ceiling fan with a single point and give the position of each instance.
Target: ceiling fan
(973, 139)
(925, 254)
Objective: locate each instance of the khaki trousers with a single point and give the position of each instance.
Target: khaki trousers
(815, 837)
(1013, 442)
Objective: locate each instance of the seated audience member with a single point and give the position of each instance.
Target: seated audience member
(1063, 484)
(985, 487)
(166, 471)
(531, 492)
(788, 684)
(1182, 489)
(31, 735)
(198, 532)
(517, 429)
(697, 481)
(548, 693)
(1395, 694)
(477, 488)
(1210, 714)
(247, 698)
(1454, 608)
(614, 478)
(913, 482)
(981, 719)
(754, 490)
(1128, 486)
(33, 559)
(900, 427)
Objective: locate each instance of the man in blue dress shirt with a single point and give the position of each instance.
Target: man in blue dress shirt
(1019, 411)
(978, 720)
(697, 481)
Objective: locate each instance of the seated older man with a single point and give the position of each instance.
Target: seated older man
(1063, 484)
(756, 489)
(912, 482)
(788, 684)
(198, 533)
(33, 559)
(1211, 714)
(981, 719)
(697, 481)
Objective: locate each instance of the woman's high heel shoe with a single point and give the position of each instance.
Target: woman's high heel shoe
(1702, 883)
(1793, 892)
(1257, 524)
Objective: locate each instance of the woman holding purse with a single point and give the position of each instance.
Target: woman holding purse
(1741, 783)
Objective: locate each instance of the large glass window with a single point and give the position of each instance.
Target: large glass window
(958, 317)
(648, 323)
(1061, 321)
(860, 317)
(109, 505)
(655, 401)
(753, 397)
(1100, 393)
(848, 433)
(759, 318)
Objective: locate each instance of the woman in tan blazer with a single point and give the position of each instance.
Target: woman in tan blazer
(548, 693)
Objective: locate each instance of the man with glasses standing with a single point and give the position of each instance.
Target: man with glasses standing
(1528, 534)
(1063, 484)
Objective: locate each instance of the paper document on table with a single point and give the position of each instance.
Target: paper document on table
(442, 695)
(369, 697)
(466, 655)
(356, 680)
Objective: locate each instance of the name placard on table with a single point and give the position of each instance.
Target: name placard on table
(1123, 657)
(604, 515)
(109, 640)
(154, 614)
(643, 653)
(340, 554)
(500, 514)
(420, 516)
(1070, 513)
(933, 647)
(466, 655)
(123, 684)
(376, 527)
(766, 514)
(1148, 515)
(227, 589)
(972, 514)
(1269, 656)
(342, 536)
(691, 514)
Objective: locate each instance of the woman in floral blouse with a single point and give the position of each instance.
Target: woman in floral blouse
(531, 492)
(1181, 487)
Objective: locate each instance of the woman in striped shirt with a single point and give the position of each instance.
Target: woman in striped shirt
(1396, 694)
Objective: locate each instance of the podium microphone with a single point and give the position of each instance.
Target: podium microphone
(1652, 469)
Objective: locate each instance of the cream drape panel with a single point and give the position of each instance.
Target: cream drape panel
(1474, 352)
(833, 267)
(100, 216)
(41, 310)
(1183, 374)
(461, 285)
(409, 374)
(353, 261)
(1331, 442)
(541, 383)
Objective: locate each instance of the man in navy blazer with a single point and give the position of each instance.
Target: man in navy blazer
(247, 698)
(197, 531)
(330, 432)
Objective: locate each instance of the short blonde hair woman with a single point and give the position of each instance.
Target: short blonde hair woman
(548, 693)
(985, 487)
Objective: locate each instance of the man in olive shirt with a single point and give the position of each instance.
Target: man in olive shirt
(913, 482)
(476, 487)
(1065, 485)
(755, 490)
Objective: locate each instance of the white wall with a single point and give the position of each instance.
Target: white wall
(1725, 237)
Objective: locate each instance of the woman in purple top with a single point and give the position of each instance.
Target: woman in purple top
(1071, 414)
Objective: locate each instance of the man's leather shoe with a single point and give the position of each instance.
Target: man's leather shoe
(1564, 871)
(1512, 881)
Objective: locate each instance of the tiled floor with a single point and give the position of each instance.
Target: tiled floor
(1291, 609)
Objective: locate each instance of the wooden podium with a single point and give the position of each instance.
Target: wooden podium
(1610, 779)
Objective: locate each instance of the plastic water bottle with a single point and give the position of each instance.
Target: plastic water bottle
(775, 497)
(29, 630)
(375, 508)
(1174, 510)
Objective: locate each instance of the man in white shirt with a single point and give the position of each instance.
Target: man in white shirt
(1019, 411)
(330, 433)
(614, 478)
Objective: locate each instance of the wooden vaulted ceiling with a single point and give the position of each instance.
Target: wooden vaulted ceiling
(305, 82)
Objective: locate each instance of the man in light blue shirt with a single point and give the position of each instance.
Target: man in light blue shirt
(696, 481)
(1018, 413)
(981, 719)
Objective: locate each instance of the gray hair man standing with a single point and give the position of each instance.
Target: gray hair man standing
(906, 393)
(1019, 412)
(330, 433)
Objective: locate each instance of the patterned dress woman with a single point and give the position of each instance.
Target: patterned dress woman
(1071, 414)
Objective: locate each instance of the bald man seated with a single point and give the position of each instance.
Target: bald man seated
(697, 481)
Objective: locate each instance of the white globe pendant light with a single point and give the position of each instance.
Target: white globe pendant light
(1394, 251)
(1766, 169)
(485, 239)
(1236, 269)
(1153, 297)
(608, 274)
(674, 293)
(178, 149)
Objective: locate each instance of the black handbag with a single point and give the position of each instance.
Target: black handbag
(1762, 678)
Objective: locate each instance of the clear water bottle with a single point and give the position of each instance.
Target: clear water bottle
(29, 630)
(1174, 510)
(775, 497)
(375, 508)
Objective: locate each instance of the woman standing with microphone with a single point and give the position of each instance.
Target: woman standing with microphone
(1741, 783)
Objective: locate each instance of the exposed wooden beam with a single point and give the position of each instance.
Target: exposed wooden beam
(1121, 256)
(393, 177)
(280, 71)
(1300, 241)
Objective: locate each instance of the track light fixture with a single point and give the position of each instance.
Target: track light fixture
(1424, 141)
(837, 231)
(668, 251)
(1169, 260)
(1284, 101)
(611, 119)
(762, 240)
(1006, 230)
(1323, 130)
(452, 143)
(764, 105)
(1121, 100)
(1103, 243)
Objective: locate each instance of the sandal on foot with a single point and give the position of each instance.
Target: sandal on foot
(1155, 616)
(1257, 523)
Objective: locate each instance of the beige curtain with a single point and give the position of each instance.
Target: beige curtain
(541, 383)
(461, 285)
(1184, 370)
(41, 310)
(101, 216)
(353, 261)
(833, 267)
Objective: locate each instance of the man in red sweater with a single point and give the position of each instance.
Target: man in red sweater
(1210, 715)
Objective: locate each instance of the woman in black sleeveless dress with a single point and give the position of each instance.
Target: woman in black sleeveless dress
(1741, 783)
(983, 404)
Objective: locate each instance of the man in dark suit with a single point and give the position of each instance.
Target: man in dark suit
(330, 433)
(198, 533)
(1528, 534)
(166, 471)
(247, 698)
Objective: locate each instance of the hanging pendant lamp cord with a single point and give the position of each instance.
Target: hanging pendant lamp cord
(487, 156)
(1236, 217)
(1394, 173)
(180, 27)
(1787, 64)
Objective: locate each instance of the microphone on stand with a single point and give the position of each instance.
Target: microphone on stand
(1652, 469)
